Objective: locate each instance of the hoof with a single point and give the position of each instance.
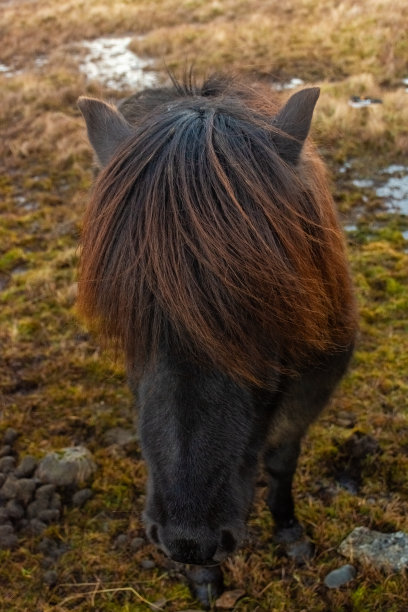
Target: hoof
(294, 543)
(206, 583)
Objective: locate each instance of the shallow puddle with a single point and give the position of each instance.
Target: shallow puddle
(110, 61)
(390, 184)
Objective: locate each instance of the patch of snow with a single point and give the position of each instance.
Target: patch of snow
(393, 168)
(41, 61)
(7, 71)
(110, 61)
(395, 191)
(363, 183)
(346, 166)
(292, 84)
(350, 228)
(23, 203)
(405, 234)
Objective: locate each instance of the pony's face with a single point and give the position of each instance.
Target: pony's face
(201, 438)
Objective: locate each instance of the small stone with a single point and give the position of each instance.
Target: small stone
(52, 549)
(147, 564)
(300, 552)
(45, 491)
(121, 540)
(80, 498)
(26, 467)
(4, 517)
(229, 598)
(25, 490)
(14, 509)
(6, 450)
(2, 479)
(120, 436)
(35, 507)
(387, 551)
(9, 488)
(47, 546)
(8, 541)
(68, 467)
(10, 436)
(55, 502)
(340, 576)
(5, 529)
(49, 516)
(344, 418)
(7, 464)
(36, 526)
(50, 578)
(136, 544)
(22, 524)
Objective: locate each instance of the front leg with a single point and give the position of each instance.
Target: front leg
(280, 463)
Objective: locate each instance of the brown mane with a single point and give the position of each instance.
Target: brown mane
(200, 239)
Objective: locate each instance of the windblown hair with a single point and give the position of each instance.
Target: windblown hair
(200, 239)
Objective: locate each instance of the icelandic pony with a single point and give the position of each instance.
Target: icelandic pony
(213, 258)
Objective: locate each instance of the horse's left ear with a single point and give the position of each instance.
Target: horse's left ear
(107, 127)
(294, 119)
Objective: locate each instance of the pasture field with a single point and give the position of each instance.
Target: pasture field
(58, 389)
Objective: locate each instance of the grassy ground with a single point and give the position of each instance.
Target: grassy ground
(58, 390)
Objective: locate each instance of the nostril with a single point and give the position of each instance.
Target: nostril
(228, 542)
(154, 534)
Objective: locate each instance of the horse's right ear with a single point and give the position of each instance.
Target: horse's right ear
(107, 128)
(294, 119)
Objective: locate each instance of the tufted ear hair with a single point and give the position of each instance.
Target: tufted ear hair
(294, 119)
(107, 128)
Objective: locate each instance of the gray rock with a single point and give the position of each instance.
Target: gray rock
(81, 497)
(49, 516)
(9, 488)
(147, 564)
(22, 524)
(8, 541)
(300, 552)
(6, 450)
(36, 507)
(52, 549)
(121, 540)
(50, 578)
(2, 479)
(136, 544)
(14, 509)
(25, 490)
(340, 576)
(10, 436)
(5, 529)
(68, 467)
(36, 526)
(45, 492)
(7, 464)
(120, 436)
(55, 502)
(387, 551)
(26, 467)
(4, 517)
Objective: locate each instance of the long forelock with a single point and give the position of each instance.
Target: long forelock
(200, 237)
